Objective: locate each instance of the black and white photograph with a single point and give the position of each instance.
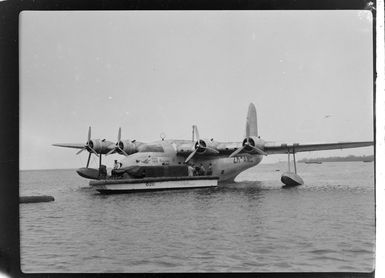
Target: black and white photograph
(196, 141)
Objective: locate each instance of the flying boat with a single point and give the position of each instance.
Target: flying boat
(166, 163)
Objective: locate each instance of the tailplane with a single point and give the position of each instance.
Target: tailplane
(251, 122)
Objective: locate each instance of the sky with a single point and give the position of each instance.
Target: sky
(309, 74)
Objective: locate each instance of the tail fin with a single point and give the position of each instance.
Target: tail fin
(251, 122)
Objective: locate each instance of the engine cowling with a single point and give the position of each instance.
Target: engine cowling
(100, 146)
(128, 146)
(202, 146)
(252, 141)
(205, 147)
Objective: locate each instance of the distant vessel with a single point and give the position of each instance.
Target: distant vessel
(36, 199)
(313, 162)
(151, 178)
(367, 160)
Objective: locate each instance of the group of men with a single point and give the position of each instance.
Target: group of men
(193, 170)
(117, 165)
(199, 170)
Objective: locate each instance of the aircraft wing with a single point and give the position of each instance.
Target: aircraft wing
(278, 148)
(145, 147)
(70, 145)
(226, 148)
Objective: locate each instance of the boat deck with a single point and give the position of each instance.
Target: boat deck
(109, 186)
(151, 179)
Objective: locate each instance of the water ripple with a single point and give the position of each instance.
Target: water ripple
(251, 225)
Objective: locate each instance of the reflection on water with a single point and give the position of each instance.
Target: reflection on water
(251, 225)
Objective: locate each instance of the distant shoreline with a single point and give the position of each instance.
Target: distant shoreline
(350, 158)
(50, 169)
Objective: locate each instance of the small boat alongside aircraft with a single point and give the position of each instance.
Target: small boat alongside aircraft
(110, 186)
(150, 178)
(164, 164)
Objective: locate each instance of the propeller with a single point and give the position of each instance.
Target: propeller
(118, 145)
(200, 145)
(89, 145)
(247, 144)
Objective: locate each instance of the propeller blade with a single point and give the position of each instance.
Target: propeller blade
(122, 151)
(211, 149)
(258, 150)
(80, 151)
(237, 151)
(116, 148)
(92, 150)
(190, 156)
(111, 151)
(89, 134)
(88, 161)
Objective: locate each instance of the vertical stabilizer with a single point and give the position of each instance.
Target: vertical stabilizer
(251, 122)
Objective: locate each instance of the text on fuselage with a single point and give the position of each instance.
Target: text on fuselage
(241, 159)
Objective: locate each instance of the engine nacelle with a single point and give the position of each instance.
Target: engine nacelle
(205, 147)
(100, 146)
(253, 141)
(127, 146)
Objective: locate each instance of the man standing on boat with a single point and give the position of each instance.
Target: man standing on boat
(210, 170)
(116, 165)
(190, 170)
(202, 170)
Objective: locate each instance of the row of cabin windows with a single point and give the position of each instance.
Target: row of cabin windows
(222, 172)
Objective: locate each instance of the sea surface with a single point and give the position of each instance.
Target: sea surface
(253, 225)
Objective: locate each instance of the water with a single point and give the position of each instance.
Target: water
(254, 225)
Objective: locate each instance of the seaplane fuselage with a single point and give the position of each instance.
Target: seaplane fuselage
(222, 166)
(224, 160)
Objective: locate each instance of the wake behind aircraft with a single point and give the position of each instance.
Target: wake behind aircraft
(225, 160)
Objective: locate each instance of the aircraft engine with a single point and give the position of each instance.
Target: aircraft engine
(250, 142)
(127, 146)
(205, 147)
(99, 146)
(201, 146)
